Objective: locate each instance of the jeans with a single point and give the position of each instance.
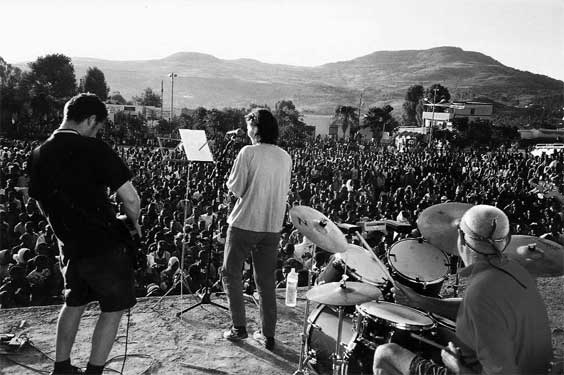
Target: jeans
(262, 246)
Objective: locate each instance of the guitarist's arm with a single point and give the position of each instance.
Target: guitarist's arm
(131, 203)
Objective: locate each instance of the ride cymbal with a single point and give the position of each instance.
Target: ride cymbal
(319, 229)
(438, 225)
(539, 256)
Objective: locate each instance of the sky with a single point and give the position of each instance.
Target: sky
(523, 34)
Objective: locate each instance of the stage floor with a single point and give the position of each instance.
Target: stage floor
(192, 344)
(161, 343)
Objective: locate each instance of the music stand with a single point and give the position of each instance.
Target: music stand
(196, 147)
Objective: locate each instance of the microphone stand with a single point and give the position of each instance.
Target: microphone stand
(205, 298)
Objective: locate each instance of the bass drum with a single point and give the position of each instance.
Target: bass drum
(321, 339)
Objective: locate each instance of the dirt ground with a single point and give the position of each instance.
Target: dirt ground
(161, 343)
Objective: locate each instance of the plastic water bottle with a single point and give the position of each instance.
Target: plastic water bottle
(292, 288)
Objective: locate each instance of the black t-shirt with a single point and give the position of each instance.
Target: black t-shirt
(72, 176)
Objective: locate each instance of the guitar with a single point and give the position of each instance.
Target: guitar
(127, 234)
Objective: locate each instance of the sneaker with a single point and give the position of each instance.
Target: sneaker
(72, 370)
(235, 334)
(267, 342)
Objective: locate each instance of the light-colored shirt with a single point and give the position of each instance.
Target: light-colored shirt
(260, 179)
(503, 325)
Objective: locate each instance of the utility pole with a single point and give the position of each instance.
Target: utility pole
(433, 116)
(359, 107)
(162, 98)
(172, 76)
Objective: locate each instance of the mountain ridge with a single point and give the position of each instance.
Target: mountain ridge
(382, 77)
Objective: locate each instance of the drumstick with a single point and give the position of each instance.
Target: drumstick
(432, 343)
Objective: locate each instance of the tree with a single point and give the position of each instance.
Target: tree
(292, 127)
(346, 116)
(287, 115)
(214, 122)
(117, 98)
(148, 98)
(380, 120)
(199, 117)
(233, 118)
(94, 81)
(51, 83)
(13, 96)
(413, 97)
(436, 93)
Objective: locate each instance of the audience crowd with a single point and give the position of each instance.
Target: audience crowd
(348, 181)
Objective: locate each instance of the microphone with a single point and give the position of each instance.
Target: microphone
(235, 133)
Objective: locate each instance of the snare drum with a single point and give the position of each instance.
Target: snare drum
(360, 266)
(384, 322)
(419, 265)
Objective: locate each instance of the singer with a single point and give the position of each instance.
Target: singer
(260, 179)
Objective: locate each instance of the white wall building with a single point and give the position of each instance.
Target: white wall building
(443, 114)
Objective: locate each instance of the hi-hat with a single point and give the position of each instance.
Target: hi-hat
(318, 229)
(541, 257)
(438, 225)
(343, 294)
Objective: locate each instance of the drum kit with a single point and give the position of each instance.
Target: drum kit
(354, 314)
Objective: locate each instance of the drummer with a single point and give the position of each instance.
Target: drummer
(501, 324)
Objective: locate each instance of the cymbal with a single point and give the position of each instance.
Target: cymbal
(541, 257)
(318, 229)
(438, 225)
(350, 294)
(364, 263)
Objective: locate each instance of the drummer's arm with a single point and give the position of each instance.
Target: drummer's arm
(446, 307)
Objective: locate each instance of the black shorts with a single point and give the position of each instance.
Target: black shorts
(106, 278)
(422, 366)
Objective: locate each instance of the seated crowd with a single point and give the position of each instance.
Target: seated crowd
(349, 182)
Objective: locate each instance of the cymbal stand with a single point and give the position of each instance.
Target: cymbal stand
(302, 370)
(337, 357)
(456, 285)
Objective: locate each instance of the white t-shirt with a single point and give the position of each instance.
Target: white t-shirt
(260, 179)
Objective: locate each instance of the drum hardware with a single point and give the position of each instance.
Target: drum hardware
(456, 285)
(337, 357)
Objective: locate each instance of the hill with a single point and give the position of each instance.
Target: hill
(384, 76)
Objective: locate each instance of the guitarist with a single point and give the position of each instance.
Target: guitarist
(72, 174)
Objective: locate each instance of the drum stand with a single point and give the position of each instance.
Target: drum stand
(337, 357)
(456, 285)
(302, 370)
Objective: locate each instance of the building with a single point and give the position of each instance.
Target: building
(442, 115)
(147, 112)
